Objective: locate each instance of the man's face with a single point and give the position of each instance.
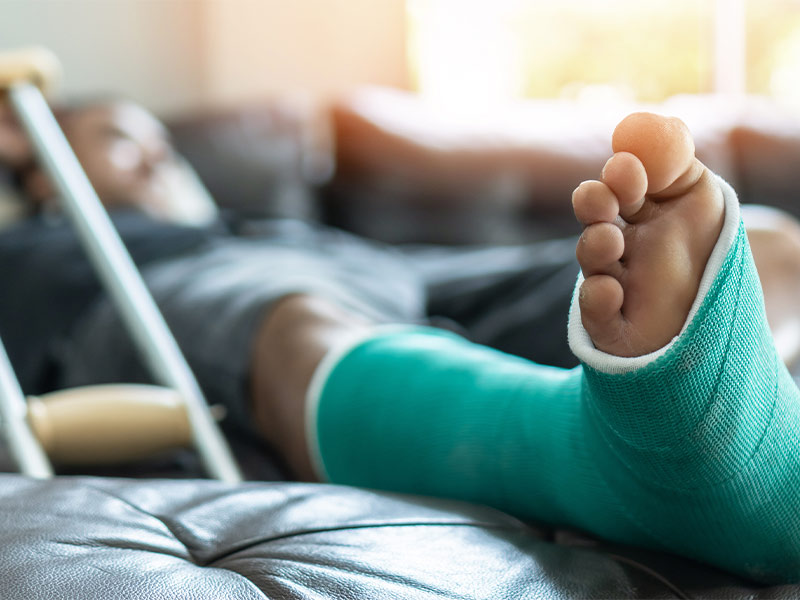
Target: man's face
(123, 149)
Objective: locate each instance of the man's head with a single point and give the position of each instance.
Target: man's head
(122, 148)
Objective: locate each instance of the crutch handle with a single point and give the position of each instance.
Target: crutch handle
(35, 65)
(108, 424)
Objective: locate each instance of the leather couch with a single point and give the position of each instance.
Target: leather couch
(410, 172)
(126, 539)
(130, 536)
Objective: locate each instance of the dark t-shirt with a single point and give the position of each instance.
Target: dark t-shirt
(47, 280)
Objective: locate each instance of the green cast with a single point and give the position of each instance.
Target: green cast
(696, 452)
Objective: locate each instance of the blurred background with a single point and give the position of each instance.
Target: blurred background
(448, 121)
(174, 55)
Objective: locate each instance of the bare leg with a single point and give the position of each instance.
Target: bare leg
(291, 342)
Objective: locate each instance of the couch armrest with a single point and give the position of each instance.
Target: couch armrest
(409, 172)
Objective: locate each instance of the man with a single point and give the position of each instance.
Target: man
(678, 432)
(216, 283)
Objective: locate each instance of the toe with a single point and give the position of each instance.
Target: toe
(599, 249)
(594, 202)
(600, 301)
(625, 175)
(663, 144)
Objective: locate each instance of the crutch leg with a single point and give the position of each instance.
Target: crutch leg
(23, 445)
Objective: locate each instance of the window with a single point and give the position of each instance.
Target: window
(479, 51)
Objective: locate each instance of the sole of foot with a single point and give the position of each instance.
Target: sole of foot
(650, 224)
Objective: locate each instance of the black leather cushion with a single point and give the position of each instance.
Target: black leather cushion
(258, 160)
(167, 539)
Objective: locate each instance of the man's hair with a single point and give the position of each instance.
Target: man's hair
(63, 110)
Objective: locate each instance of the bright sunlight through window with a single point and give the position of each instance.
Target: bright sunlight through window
(470, 53)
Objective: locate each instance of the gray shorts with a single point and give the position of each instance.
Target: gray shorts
(215, 299)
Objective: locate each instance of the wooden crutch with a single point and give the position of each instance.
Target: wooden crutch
(23, 74)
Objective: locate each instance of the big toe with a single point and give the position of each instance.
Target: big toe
(664, 145)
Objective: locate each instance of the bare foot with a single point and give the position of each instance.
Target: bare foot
(650, 225)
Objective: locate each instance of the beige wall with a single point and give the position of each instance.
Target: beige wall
(257, 46)
(137, 48)
(178, 54)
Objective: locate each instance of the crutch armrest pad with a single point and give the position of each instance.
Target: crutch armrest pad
(107, 424)
(35, 65)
